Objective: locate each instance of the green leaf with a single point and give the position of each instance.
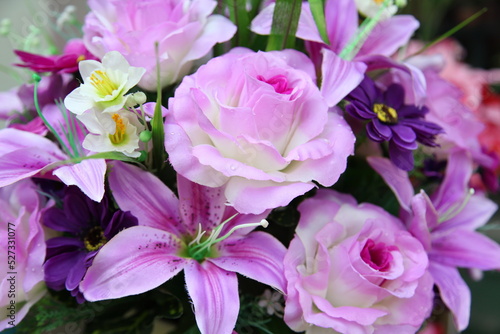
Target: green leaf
(158, 132)
(318, 13)
(285, 21)
(239, 15)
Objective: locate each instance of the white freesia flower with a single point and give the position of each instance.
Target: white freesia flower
(104, 84)
(370, 8)
(116, 131)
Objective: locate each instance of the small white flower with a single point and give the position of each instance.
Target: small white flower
(117, 131)
(104, 84)
(272, 302)
(370, 8)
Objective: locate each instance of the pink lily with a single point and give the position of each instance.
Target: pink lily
(24, 154)
(445, 223)
(196, 233)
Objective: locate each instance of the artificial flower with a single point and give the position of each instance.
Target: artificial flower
(73, 53)
(354, 269)
(258, 124)
(385, 39)
(445, 224)
(391, 120)
(105, 84)
(118, 131)
(183, 30)
(371, 8)
(23, 252)
(25, 154)
(196, 233)
(87, 225)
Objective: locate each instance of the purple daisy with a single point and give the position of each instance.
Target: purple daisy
(391, 120)
(87, 226)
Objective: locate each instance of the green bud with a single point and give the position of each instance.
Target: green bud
(145, 136)
(36, 77)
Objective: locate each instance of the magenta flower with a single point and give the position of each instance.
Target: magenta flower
(23, 236)
(196, 233)
(88, 225)
(445, 224)
(258, 124)
(184, 30)
(354, 269)
(67, 62)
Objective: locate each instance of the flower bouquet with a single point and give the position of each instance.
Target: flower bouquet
(245, 167)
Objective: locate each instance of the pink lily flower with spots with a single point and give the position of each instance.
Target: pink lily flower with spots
(196, 233)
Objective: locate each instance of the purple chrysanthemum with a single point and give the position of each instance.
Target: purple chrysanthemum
(87, 226)
(391, 120)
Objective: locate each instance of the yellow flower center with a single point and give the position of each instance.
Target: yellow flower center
(378, 2)
(80, 58)
(94, 239)
(101, 81)
(120, 133)
(385, 113)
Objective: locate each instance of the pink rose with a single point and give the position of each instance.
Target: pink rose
(258, 123)
(354, 269)
(184, 30)
(23, 252)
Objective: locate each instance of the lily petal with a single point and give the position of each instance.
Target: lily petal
(87, 175)
(258, 256)
(454, 292)
(214, 293)
(465, 249)
(340, 77)
(200, 205)
(395, 178)
(136, 260)
(145, 196)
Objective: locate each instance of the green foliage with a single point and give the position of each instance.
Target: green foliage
(285, 21)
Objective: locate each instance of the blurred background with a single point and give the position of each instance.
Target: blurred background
(25, 23)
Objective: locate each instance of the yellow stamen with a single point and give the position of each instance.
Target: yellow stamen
(378, 2)
(385, 113)
(80, 58)
(120, 133)
(101, 81)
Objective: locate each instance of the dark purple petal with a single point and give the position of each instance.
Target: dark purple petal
(56, 269)
(394, 96)
(61, 245)
(56, 219)
(404, 133)
(401, 157)
(359, 110)
(119, 221)
(373, 134)
(76, 272)
(383, 130)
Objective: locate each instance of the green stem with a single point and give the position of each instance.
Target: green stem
(37, 79)
(451, 31)
(318, 13)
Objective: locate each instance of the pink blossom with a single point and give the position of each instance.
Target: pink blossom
(184, 30)
(23, 252)
(258, 124)
(196, 234)
(354, 269)
(445, 224)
